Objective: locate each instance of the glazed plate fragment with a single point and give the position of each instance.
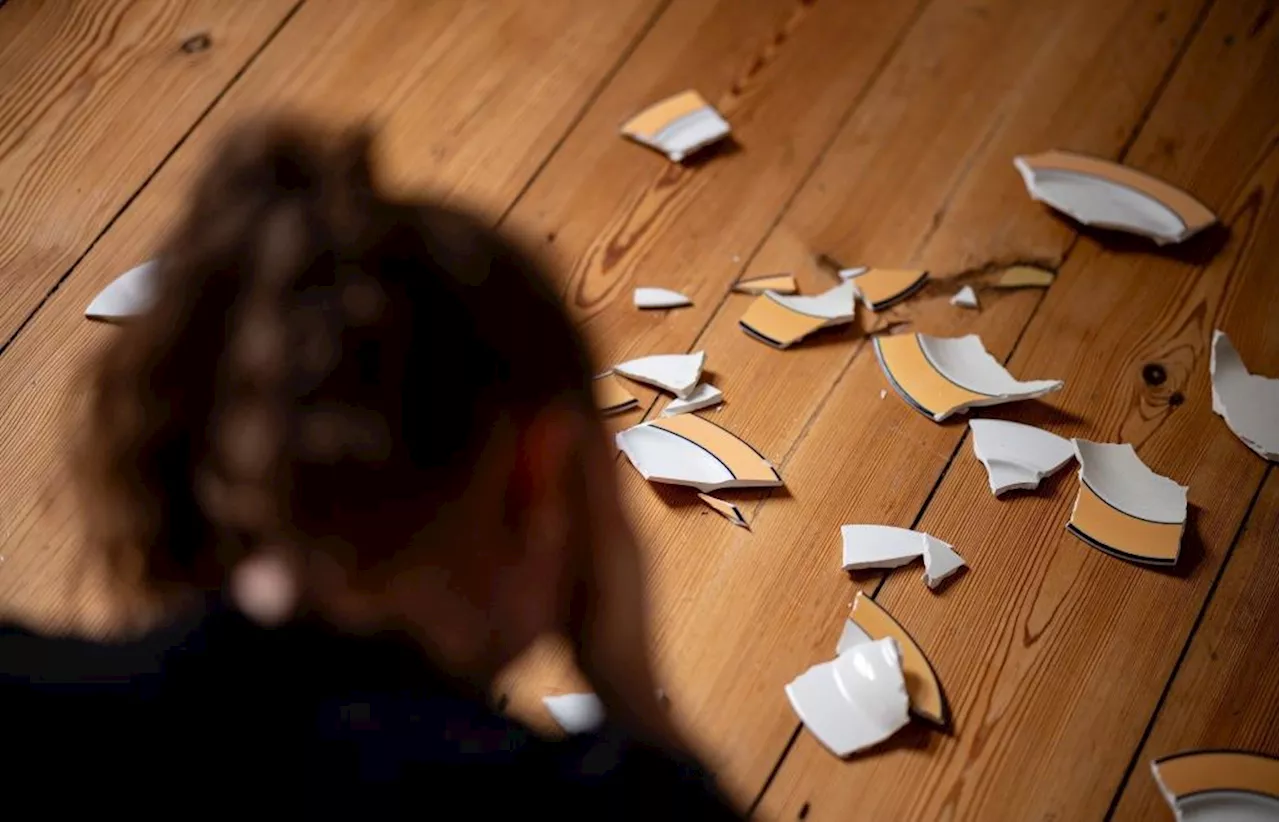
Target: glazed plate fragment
(777, 283)
(1249, 403)
(704, 396)
(611, 396)
(575, 713)
(1126, 509)
(1018, 456)
(879, 288)
(725, 509)
(1108, 195)
(678, 126)
(660, 298)
(857, 700)
(872, 622)
(689, 450)
(884, 546)
(782, 321)
(677, 373)
(126, 296)
(941, 376)
(1219, 786)
(965, 298)
(1024, 276)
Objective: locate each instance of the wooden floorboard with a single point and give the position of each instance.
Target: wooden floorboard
(93, 96)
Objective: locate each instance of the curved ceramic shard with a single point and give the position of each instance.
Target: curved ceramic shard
(927, 700)
(725, 509)
(128, 295)
(879, 288)
(1250, 404)
(704, 396)
(677, 373)
(611, 396)
(660, 298)
(857, 700)
(575, 713)
(777, 283)
(1219, 785)
(1018, 456)
(1024, 276)
(850, 635)
(677, 126)
(940, 561)
(1126, 509)
(940, 376)
(885, 546)
(782, 321)
(965, 298)
(1105, 194)
(689, 450)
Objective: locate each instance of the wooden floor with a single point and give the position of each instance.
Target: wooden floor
(877, 131)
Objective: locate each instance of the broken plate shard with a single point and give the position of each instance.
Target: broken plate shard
(1250, 404)
(940, 376)
(1024, 276)
(677, 373)
(689, 450)
(677, 126)
(781, 321)
(128, 295)
(611, 396)
(725, 509)
(777, 283)
(1101, 193)
(575, 713)
(965, 298)
(857, 700)
(927, 700)
(660, 298)
(704, 396)
(1126, 509)
(1219, 785)
(879, 288)
(1018, 456)
(884, 546)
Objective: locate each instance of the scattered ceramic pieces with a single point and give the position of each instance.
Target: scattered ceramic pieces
(927, 700)
(1250, 404)
(704, 396)
(126, 296)
(677, 126)
(1219, 785)
(725, 509)
(1024, 276)
(777, 283)
(575, 713)
(857, 700)
(1101, 193)
(689, 450)
(677, 373)
(884, 546)
(879, 288)
(1126, 509)
(941, 376)
(1018, 456)
(611, 396)
(781, 321)
(660, 298)
(966, 297)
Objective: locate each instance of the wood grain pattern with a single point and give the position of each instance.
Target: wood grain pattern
(1223, 695)
(1053, 654)
(93, 95)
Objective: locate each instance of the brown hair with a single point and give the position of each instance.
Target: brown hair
(315, 347)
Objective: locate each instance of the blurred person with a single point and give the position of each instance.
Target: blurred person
(352, 447)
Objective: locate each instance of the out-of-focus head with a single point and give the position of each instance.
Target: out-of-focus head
(383, 395)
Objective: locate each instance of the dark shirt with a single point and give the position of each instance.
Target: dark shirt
(215, 713)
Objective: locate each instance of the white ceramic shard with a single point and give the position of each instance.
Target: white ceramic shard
(965, 298)
(689, 450)
(1250, 404)
(857, 700)
(660, 298)
(677, 373)
(941, 376)
(1018, 456)
(725, 509)
(1219, 785)
(678, 126)
(575, 713)
(780, 320)
(879, 288)
(885, 546)
(704, 396)
(1105, 194)
(126, 296)
(1126, 509)
(940, 561)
